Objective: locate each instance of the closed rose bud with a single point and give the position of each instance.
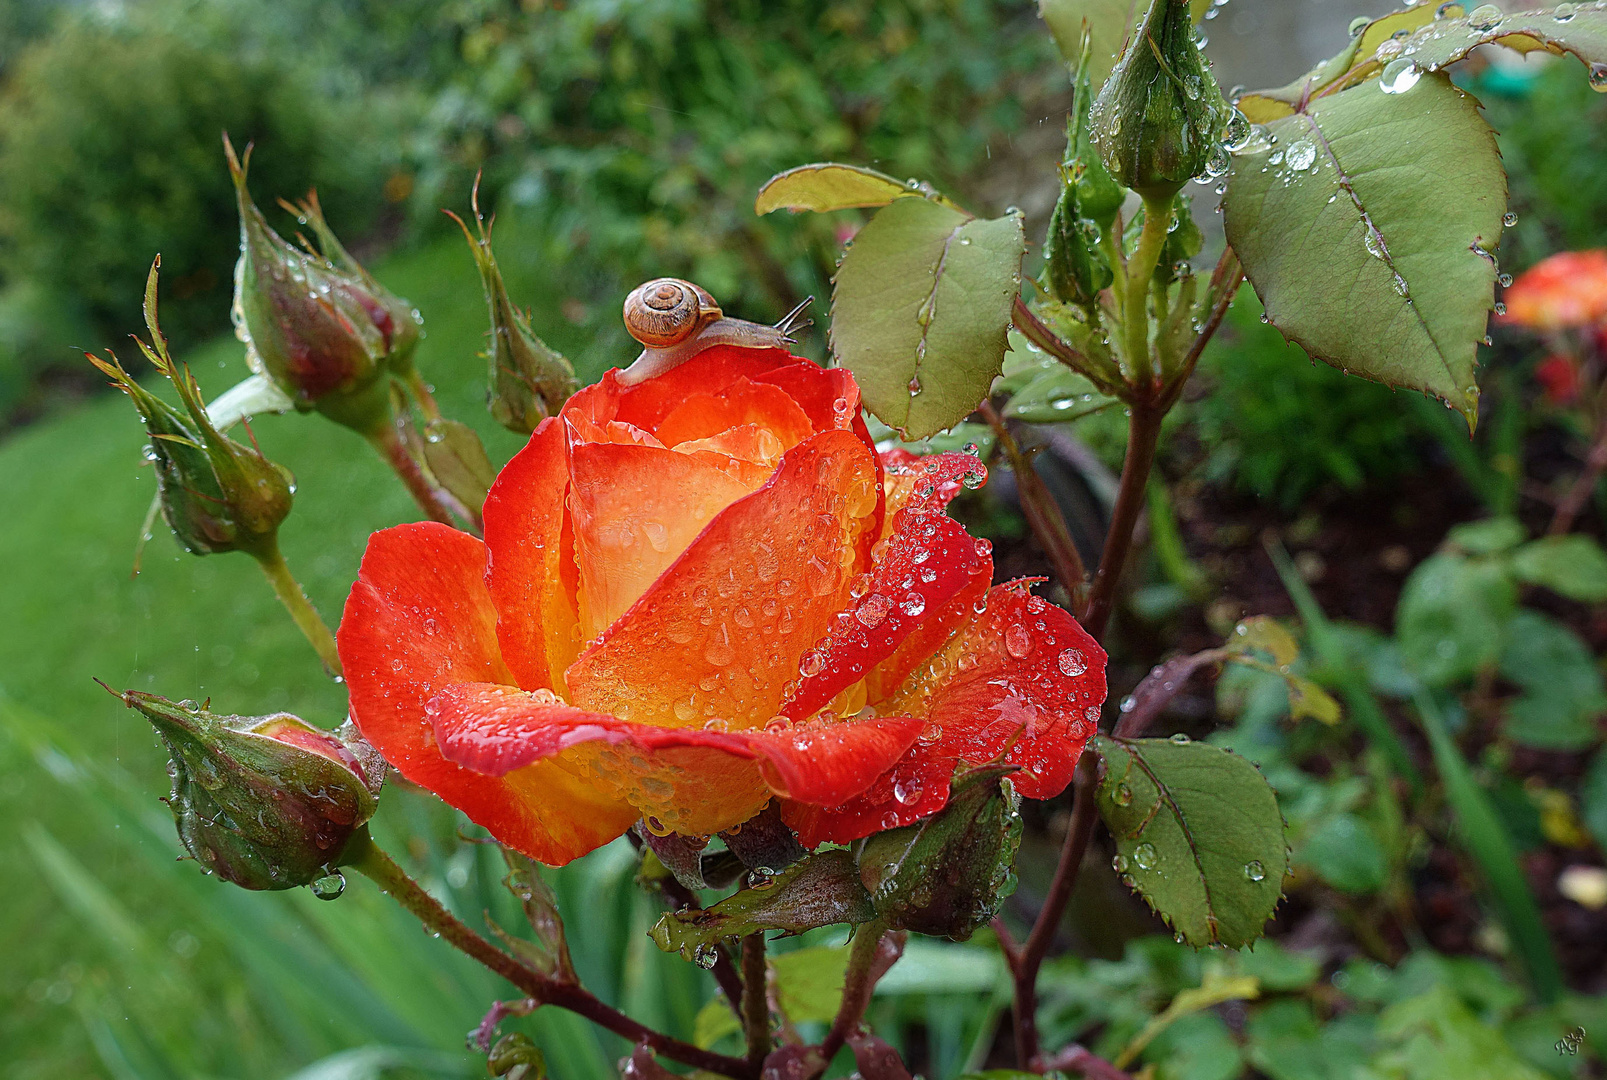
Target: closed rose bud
(309, 327)
(399, 323)
(948, 874)
(265, 802)
(528, 380)
(216, 494)
(1160, 117)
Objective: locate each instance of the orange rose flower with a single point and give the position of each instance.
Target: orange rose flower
(700, 593)
(1566, 290)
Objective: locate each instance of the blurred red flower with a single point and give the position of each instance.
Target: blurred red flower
(1567, 290)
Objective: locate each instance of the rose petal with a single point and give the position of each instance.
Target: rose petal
(928, 559)
(690, 780)
(767, 406)
(1022, 680)
(649, 403)
(720, 633)
(527, 567)
(420, 618)
(636, 509)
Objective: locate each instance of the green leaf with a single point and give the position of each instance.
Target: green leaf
(1480, 831)
(1445, 41)
(1058, 395)
(1414, 177)
(1593, 799)
(1563, 691)
(920, 309)
(1491, 536)
(830, 186)
(1452, 616)
(1286, 1043)
(1434, 1036)
(1214, 990)
(1345, 854)
(1198, 834)
(819, 891)
(1572, 566)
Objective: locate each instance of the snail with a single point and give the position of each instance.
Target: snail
(675, 320)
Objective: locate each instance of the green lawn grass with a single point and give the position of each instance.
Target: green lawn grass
(120, 961)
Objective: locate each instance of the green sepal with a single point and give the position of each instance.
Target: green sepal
(947, 874)
(528, 380)
(217, 495)
(822, 890)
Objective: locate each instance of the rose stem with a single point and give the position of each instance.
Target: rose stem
(364, 856)
(755, 999)
(433, 501)
(1147, 409)
(1043, 513)
(858, 982)
(295, 600)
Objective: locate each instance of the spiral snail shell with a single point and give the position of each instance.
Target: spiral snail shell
(675, 320)
(667, 311)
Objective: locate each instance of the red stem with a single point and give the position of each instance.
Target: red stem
(366, 857)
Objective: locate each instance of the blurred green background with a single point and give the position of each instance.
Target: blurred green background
(622, 139)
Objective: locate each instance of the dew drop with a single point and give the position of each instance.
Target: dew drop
(1072, 662)
(1301, 155)
(1598, 78)
(1510, 219)
(1254, 871)
(1451, 9)
(912, 604)
(1181, 739)
(1400, 76)
(1122, 796)
(1018, 642)
(761, 878)
(330, 886)
(1118, 863)
(873, 610)
(705, 955)
(1146, 856)
(1564, 12)
(1485, 17)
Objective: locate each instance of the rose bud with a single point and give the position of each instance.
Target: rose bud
(216, 494)
(267, 802)
(1160, 117)
(947, 875)
(528, 380)
(398, 321)
(308, 327)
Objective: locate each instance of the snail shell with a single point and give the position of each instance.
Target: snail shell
(667, 311)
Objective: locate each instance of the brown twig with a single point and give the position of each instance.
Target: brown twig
(1024, 971)
(867, 962)
(1143, 435)
(755, 999)
(366, 857)
(1572, 503)
(1042, 511)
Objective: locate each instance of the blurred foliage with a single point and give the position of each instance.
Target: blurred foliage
(1279, 425)
(1553, 135)
(641, 131)
(110, 153)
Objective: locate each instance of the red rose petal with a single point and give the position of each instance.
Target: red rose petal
(420, 618)
(700, 416)
(928, 559)
(691, 780)
(524, 526)
(1003, 685)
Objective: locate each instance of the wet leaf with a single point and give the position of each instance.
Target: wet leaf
(920, 309)
(1367, 230)
(1198, 834)
(830, 186)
